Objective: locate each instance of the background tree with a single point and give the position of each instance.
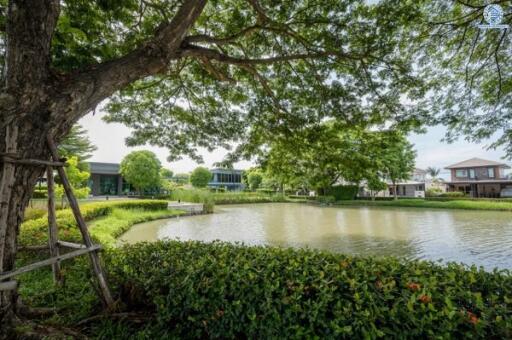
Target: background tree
(77, 143)
(142, 170)
(328, 154)
(181, 178)
(254, 178)
(77, 178)
(188, 74)
(433, 172)
(166, 173)
(200, 177)
(398, 161)
(375, 184)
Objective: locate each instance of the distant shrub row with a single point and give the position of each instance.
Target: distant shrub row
(343, 192)
(218, 290)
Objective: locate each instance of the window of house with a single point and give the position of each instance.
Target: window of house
(461, 173)
(490, 172)
(471, 173)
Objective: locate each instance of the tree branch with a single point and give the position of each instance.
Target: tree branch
(197, 52)
(100, 81)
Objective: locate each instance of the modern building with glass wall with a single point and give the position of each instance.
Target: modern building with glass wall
(230, 179)
(106, 180)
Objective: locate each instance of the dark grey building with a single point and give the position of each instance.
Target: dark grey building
(227, 178)
(106, 180)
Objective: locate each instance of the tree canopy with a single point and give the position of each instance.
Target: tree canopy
(250, 71)
(77, 143)
(200, 177)
(322, 156)
(141, 169)
(467, 70)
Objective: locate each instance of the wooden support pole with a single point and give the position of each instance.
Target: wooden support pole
(28, 268)
(52, 226)
(34, 162)
(73, 204)
(8, 285)
(71, 245)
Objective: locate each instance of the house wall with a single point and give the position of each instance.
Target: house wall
(481, 173)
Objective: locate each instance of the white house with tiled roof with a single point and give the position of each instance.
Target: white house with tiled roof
(479, 177)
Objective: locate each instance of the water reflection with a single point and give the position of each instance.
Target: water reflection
(472, 237)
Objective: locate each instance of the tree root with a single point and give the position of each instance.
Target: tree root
(26, 329)
(130, 316)
(33, 312)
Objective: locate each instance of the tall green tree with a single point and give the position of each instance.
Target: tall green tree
(142, 170)
(254, 178)
(77, 143)
(188, 74)
(77, 178)
(433, 172)
(398, 161)
(200, 177)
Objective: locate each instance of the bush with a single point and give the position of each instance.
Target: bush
(194, 196)
(33, 213)
(40, 193)
(35, 231)
(218, 290)
(343, 192)
(433, 192)
(452, 194)
(303, 197)
(325, 199)
(247, 197)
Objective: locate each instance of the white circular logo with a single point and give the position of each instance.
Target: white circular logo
(493, 14)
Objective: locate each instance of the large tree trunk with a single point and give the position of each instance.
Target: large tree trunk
(17, 187)
(36, 102)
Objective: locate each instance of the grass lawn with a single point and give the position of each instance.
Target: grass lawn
(108, 228)
(420, 203)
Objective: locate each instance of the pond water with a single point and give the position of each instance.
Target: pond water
(473, 237)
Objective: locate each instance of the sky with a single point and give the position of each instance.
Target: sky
(431, 151)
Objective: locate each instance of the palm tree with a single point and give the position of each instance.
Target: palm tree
(433, 172)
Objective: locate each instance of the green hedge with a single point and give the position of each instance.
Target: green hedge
(247, 197)
(218, 290)
(343, 192)
(35, 231)
(40, 193)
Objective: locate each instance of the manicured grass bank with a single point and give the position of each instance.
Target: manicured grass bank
(420, 203)
(106, 220)
(196, 290)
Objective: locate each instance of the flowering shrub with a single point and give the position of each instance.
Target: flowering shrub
(197, 290)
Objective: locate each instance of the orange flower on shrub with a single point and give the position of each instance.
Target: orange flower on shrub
(425, 298)
(472, 318)
(413, 286)
(344, 264)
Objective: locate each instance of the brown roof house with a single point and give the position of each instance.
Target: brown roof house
(479, 178)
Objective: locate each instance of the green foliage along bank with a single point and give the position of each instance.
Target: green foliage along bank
(435, 204)
(196, 290)
(34, 231)
(209, 199)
